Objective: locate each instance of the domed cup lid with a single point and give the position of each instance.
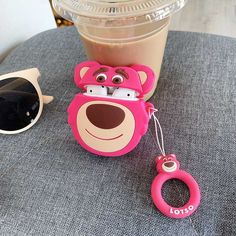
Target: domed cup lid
(131, 11)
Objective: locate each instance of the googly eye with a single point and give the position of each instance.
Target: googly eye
(117, 79)
(101, 78)
(165, 159)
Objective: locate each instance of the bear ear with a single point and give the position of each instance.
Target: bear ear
(81, 69)
(146, 75)
(158, 158)
(173, 156)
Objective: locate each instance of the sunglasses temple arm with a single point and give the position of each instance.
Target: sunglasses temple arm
(47, 99)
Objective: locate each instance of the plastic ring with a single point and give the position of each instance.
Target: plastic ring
(174, 212)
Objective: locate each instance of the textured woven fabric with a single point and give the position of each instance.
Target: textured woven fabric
(49, 185)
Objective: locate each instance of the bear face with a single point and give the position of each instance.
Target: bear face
(109, 118)
(167, 163)
(105, 80)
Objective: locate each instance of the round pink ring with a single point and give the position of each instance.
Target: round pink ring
(176, 212)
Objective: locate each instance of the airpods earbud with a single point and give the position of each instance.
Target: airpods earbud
(124, 93)
(96, 90)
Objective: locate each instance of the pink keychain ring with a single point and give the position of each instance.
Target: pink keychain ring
(168, 168)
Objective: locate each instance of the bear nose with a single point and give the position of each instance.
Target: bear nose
(169, 164)
(105, 116)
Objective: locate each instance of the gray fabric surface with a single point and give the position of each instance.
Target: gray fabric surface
(49, 185)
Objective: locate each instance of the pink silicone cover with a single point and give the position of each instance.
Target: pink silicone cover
(139, 108)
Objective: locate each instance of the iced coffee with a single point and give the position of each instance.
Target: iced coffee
(122, 33)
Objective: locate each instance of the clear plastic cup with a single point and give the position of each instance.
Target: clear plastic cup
(122, 32)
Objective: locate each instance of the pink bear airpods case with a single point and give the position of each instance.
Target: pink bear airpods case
(110, 116)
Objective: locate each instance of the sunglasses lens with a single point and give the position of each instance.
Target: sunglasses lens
(19, 103)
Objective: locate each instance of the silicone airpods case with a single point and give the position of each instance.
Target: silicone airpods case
(110, 116)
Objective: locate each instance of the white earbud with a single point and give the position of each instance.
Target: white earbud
(96, 90)
(124, 93)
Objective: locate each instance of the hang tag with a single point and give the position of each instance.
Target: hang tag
(168, 168)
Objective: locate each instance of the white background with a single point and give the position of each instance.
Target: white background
(21, 19)
(208, 16)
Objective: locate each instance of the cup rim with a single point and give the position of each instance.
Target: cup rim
(101, 12)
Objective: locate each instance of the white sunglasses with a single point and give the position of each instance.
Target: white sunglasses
(21, 101)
